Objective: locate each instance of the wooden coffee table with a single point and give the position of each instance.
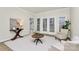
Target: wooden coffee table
(37, 37)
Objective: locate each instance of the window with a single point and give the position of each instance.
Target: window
(31, 24)
(13, 23)
(51, 24)
(61, 22)
(45, 24)
(38, 24)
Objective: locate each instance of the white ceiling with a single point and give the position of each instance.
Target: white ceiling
(40, 9)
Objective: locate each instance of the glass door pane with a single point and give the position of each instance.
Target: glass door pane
(61, 22)
(52, 25)
(45, 24)
(38, 24)
(31, 24)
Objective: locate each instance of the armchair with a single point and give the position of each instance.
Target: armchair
(63, 35)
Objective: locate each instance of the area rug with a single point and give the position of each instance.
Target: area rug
(26, 44)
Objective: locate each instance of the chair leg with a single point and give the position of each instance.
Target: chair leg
(58, 39)
(68, 39)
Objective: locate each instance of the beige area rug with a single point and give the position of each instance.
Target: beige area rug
(53, 49)
(3, 47)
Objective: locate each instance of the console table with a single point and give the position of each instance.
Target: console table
(17, 31)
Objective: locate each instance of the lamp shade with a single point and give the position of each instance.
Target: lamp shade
(19, 23)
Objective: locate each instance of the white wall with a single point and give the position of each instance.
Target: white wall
(7, 13)
(56, 14)
(75, 23)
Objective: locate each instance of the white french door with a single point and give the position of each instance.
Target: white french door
(31, 24)
(46, 25)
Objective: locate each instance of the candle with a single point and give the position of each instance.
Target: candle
(14, 28)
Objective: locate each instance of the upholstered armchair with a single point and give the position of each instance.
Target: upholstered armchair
(63, 35)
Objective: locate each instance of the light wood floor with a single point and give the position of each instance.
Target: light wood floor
(3, 47)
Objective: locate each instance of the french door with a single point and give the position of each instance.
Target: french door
(46, 25)
(31, 24)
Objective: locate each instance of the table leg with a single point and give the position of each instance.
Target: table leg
(38, 40)
(17, 34)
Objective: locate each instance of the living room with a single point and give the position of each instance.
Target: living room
(45, 21)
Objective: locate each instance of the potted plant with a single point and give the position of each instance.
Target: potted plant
(66, 25)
